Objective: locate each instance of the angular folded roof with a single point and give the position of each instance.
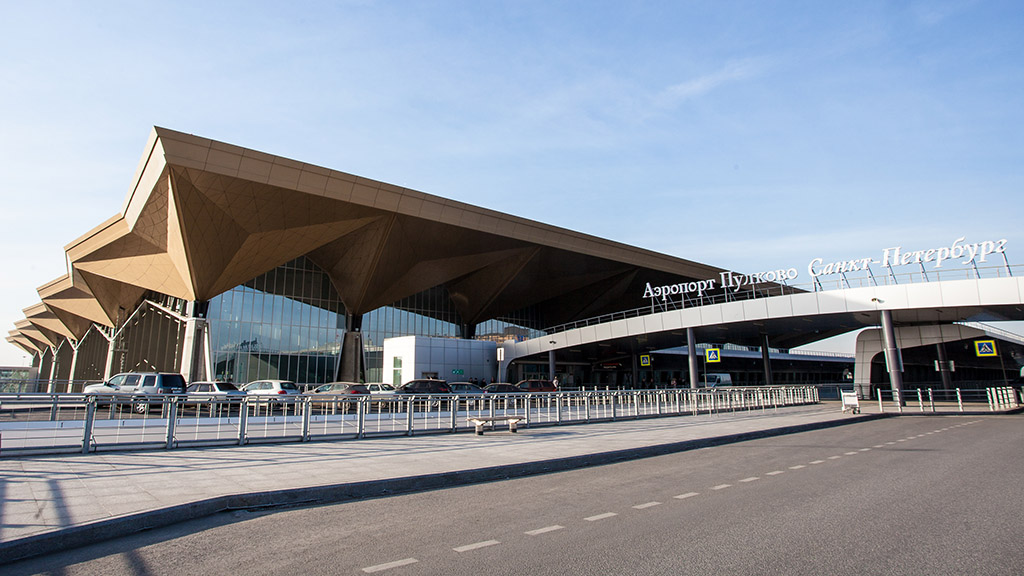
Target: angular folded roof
(203, 216)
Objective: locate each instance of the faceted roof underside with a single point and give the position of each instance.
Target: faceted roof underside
(203, 217)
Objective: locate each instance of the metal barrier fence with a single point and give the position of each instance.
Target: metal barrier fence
(54, 423)
(926, 399)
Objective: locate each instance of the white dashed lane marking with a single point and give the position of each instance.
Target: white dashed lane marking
(543, 530)
(477, 546)
(389, 565)
(553, 528)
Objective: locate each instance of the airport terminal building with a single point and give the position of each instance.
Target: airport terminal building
(226, 263)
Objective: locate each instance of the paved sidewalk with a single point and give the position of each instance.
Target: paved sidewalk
(61, 501)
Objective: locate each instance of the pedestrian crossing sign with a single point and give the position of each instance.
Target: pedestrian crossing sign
(985, 348)
(712, 354)
(645, 360)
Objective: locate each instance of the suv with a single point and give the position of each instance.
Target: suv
(272, 387)
(536, 386)
(139, 385)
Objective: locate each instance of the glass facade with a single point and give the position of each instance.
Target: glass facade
(289, 324)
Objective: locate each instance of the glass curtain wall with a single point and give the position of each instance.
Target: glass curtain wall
(289, 324)
(284, 325)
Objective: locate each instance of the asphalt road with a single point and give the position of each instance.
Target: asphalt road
(909, 495)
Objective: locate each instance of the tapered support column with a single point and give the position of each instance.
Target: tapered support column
(350, 364)
(74, 365)
(893, 358)
(691, 355)
(194, 353)
(766, 360)
(947, 379)
(53, 370)
(551, 364)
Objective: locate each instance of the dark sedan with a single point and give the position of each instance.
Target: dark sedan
(424, 386)
(502, 388)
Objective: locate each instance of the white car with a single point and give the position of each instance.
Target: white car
(213, 389)
(379, 388)
(271, 387)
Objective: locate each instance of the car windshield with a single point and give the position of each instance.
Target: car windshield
(225, 386)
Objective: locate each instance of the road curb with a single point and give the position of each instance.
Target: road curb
(77, 536)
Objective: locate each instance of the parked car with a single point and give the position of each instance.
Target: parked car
(216, 389)
(716, 379)
(380, 388)
(502, 388)
(219, 395)
(332, 390)
(381, 392)
(271, 387)
(271, 393)
(138, 386)
(465, 388)
(536, 386)
(424, 386)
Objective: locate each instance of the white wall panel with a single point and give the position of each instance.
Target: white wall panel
(756, 309)
(732, 312)
(1000, 291)
(710, 315)
(804, 304)
(961, 292)
(780, 306)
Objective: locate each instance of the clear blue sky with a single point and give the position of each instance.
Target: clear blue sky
(746, 135)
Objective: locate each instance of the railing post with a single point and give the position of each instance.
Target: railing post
(529, 403)
(959, 400)
(455, 412)
(614, 397)
(243, 420)
(409, 422)
(172, 418)
(988, 394)
(90, 416)
(361, 408)
(931, 400)
(881, 408)
(54, 399)
(307, 407)
(558, 408)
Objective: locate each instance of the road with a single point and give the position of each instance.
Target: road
(908, 495)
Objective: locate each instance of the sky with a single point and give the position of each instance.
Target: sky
(744, 135)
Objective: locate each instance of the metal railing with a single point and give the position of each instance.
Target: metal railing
(997, 398)
(54, 423)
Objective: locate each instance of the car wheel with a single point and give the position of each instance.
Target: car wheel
(140, 408)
